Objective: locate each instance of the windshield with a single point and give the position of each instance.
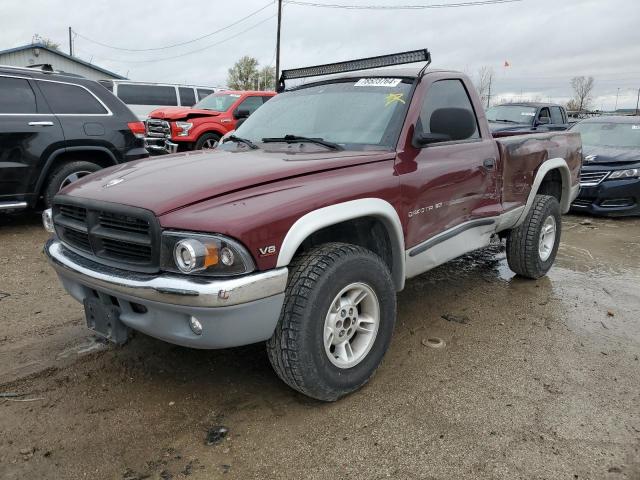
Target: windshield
(621, 135)
(220, 102)
(511, 114)
(355, 114)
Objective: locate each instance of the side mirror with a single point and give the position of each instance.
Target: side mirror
(544, 121)
(447, 124)
(241, 113)
(423, 139)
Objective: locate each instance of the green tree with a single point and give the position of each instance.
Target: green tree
(243, 74)
(268, 78)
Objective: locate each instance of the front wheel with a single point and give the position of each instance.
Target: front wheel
(65, 175)
(207, 141)
(336, 322)
(532, 246)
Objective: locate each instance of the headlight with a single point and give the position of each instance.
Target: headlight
(200, 254)
(183, 128)
(631, 173)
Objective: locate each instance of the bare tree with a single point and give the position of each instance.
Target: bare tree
(484, 78)
(582, 89)
(47, 42)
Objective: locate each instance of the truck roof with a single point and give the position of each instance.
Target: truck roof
(531, 104)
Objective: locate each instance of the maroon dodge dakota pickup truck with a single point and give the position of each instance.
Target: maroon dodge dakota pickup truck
(299, 229)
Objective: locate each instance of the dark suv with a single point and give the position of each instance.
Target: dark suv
(55, 128)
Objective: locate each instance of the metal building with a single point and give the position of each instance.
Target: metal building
(38, 54)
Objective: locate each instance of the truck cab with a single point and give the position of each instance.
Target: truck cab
(518, 118)
(178, 129)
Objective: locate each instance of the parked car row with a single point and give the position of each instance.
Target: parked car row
(83, 132)
(58, 127)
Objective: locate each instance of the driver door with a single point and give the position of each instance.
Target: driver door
(454, 181)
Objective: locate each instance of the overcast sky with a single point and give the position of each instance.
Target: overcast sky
(546, 42)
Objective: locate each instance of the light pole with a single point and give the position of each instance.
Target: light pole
(638, 101)
(278, 42)
(617, 95)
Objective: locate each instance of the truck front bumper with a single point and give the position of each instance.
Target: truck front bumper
(160, 146)
(232, 312)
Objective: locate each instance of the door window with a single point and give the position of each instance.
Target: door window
(147, 94)
(446, 94)
(556, 116)
(187, 97)
(544, 113)
(251, 104)
(16, 96)
(64, 98)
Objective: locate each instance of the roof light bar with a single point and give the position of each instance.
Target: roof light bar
(412, 56)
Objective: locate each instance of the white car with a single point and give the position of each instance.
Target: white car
(143, 97)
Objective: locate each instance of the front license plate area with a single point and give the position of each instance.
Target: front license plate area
(105, 321)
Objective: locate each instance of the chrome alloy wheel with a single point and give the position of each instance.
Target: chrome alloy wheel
(547, 238)
(351, 325)
(209, 144)
(69, 179)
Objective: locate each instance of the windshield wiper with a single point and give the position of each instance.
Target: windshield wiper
(247, 142)
(297, 138)
(504, 120)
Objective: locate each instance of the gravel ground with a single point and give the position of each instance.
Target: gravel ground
(525, 379)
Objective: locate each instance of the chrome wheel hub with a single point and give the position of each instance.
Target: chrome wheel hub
(69, 179)
(208, 144)
(547, 238)
(351, 325)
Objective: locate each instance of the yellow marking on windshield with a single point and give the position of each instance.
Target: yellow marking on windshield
(394, 98)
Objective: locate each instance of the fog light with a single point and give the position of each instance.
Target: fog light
(47, 220)
(196, 326)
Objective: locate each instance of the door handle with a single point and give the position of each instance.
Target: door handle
(41, 124)
(489, 163)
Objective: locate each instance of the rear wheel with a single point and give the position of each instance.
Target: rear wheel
(336, 321)
(532, 246)
(207, 141)
(65, 175)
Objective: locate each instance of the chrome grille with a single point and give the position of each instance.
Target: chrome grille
(592, 178)
(119, 236)
(158, 128)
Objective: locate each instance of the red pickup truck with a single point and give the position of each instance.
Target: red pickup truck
(302, 225)
(176, 129)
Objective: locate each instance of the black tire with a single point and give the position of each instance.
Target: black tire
(523, 253)
(296, 349)
(55, 182)
(207, 137)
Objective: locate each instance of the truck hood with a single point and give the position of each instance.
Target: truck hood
(179, 113)
(594, 155)
(167, 183)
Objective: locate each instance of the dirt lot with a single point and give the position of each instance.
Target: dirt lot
(540, 380)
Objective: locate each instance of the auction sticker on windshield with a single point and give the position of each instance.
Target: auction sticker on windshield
(528, 114)
(378, 82)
